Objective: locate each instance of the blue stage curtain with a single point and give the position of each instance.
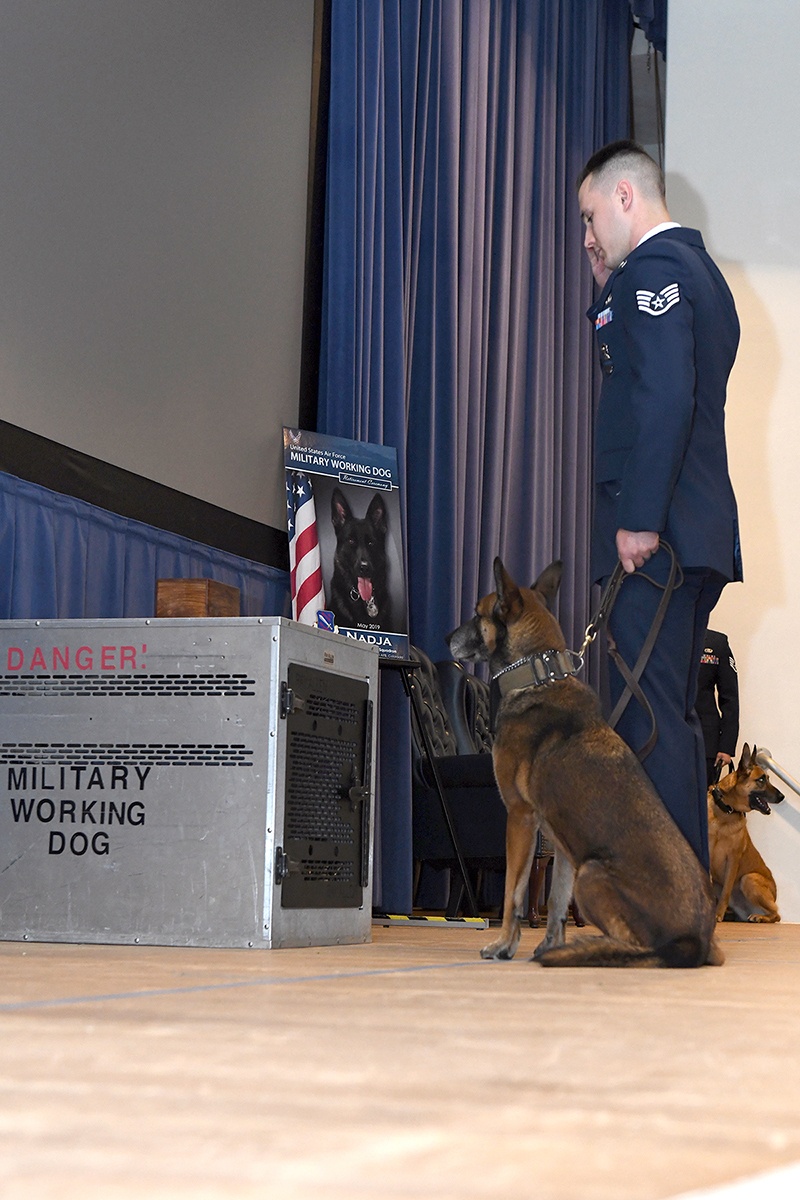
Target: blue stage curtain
(61, 558)
(455, 287)
(455, 279)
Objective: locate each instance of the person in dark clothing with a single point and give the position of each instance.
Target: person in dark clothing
(667, 333)
(717, 703)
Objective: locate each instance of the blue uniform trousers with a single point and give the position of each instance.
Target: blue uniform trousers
(676, 765)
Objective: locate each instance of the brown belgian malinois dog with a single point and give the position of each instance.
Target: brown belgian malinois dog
(741, 878)
(561, 768)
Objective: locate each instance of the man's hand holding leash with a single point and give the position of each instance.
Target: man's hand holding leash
(634, 549)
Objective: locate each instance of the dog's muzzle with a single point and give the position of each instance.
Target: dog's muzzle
(759, 801)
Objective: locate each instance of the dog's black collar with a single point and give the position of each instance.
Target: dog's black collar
(716, 794)
(547, 666)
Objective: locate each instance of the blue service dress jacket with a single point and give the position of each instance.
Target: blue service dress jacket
(667, 334)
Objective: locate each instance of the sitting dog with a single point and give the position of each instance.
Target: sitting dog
(740, 877)
(359, 593)
(560, 766)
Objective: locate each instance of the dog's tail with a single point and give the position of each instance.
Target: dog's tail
(687, 950)
(690, 950)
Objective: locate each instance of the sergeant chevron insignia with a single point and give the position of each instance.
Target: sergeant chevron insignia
(655, 304)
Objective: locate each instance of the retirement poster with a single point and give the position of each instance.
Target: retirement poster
(345, 539)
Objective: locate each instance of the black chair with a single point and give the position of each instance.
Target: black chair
(466, 699)
(469, 791)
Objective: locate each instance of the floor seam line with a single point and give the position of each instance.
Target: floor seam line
(231, 985)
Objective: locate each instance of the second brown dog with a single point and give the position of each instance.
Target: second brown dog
(742, 880)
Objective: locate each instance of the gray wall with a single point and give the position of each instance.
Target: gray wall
(152, 232)
(733, 111)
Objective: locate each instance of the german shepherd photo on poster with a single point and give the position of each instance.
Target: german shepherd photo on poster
(359, 593)
(356, 528)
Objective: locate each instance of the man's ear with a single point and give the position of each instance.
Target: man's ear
(625, 194)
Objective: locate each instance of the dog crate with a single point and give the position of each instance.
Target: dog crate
(185, 783)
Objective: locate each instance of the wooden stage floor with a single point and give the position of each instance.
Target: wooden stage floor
(405, 1068)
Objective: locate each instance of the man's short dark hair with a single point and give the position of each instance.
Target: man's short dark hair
(625, 157)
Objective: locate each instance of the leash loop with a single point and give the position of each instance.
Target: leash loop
(632, 676)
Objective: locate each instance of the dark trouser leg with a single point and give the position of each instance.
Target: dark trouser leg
(677, 763)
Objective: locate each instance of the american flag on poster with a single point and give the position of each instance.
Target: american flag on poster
(308, 595)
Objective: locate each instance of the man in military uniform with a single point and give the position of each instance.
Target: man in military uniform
(667, 334)
(718, 702)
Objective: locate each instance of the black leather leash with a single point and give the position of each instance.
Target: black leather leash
(632, 676)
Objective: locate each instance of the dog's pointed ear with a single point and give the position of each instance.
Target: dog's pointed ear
(746, 761)
(548, 582)
(376, 513)
(340, 509)
(509, 600)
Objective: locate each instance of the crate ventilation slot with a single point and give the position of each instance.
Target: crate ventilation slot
(156, 754)
(126, 685)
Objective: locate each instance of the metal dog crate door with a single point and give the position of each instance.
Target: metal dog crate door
(185, 782)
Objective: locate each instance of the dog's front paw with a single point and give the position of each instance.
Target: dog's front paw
(499, 949)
